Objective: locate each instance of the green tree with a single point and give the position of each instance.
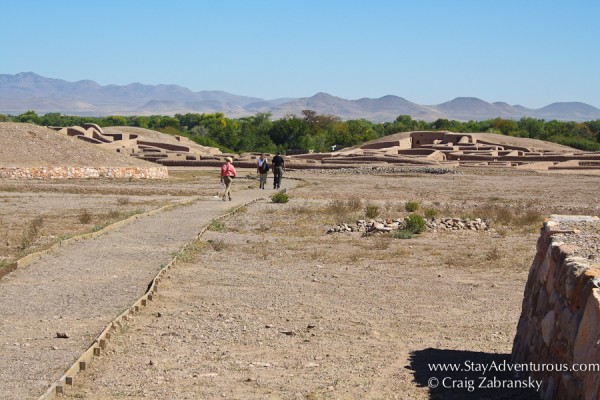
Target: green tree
(140, 122)
(29, 117)
(441, 124)
(288, 131)
(503, 126)
(115, 120)
(533, 126)
(254, 133)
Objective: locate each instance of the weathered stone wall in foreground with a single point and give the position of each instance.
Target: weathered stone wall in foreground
(157, 172)
(559, 328)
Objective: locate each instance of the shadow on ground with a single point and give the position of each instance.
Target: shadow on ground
(468, 380)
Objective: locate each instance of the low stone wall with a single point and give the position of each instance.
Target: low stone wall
(558, 335)
(158, 172)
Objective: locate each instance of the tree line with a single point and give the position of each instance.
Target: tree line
(319, 132)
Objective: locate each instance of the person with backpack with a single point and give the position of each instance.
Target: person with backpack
(278, 169)
(263, 170)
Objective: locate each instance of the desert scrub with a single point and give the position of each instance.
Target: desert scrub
(216, 226)
(415, 224)
(411, 206)
(84, 217)
(430, 213)
(523, 217)
(371, 211)
(354, 203)
(190, 253)
(122, 201)
(218, 244)
(280, 197)
(403, 234)
(31, 233)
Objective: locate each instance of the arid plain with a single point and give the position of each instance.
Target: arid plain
(267, 304)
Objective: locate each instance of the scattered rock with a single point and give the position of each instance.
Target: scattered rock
(389, 224)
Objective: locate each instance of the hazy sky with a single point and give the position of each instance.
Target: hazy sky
(525, 52)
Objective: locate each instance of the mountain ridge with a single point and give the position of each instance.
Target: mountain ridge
(29, 91)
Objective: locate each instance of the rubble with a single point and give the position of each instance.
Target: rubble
(389, 224)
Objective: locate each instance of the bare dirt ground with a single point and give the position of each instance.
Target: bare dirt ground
(273, 307)
(268, 305)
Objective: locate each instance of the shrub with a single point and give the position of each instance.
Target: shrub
(430, 213)
(354, 203)
(31, 233)
(216, 226)
(415, 224)
(411, 206)
(84, 217)
(218, 244)
(372, 211)
(280, 197)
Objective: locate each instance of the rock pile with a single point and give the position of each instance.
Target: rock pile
(455, 224)
(388, 225)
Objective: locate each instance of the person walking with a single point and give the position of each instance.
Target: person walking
(227, 174)
(278, 169)
(263, 170)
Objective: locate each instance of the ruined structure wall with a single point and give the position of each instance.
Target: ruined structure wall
(559, 328)
(421, 138)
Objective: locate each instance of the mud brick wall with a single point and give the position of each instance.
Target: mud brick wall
(560, 320)
(158, 172)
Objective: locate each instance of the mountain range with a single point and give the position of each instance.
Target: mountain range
(28, 91)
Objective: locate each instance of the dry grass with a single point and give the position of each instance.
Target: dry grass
(31, 233)
(84, 217)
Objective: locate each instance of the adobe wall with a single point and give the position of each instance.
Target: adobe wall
(157, 172)
(559, 327)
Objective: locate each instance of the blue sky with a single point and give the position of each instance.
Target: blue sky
(525, 52)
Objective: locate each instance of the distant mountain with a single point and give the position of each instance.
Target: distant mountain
(471, 108)
(29, 91)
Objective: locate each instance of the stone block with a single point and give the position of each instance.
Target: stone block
(548, 327)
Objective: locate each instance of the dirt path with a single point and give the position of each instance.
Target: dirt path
(82, 286)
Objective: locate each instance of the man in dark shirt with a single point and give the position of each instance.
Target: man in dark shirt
(278, 168)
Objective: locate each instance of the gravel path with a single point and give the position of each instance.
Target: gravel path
(82, 286)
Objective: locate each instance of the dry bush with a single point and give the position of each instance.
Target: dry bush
(354, 203)
(84, 216)
(493, 255)
(31, 233)
(113, 214)
(190, 253)
(371, 211)
(218, 244)
(344, 210)
(122, 201)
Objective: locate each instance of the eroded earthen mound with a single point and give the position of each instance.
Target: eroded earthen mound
(31, 151)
